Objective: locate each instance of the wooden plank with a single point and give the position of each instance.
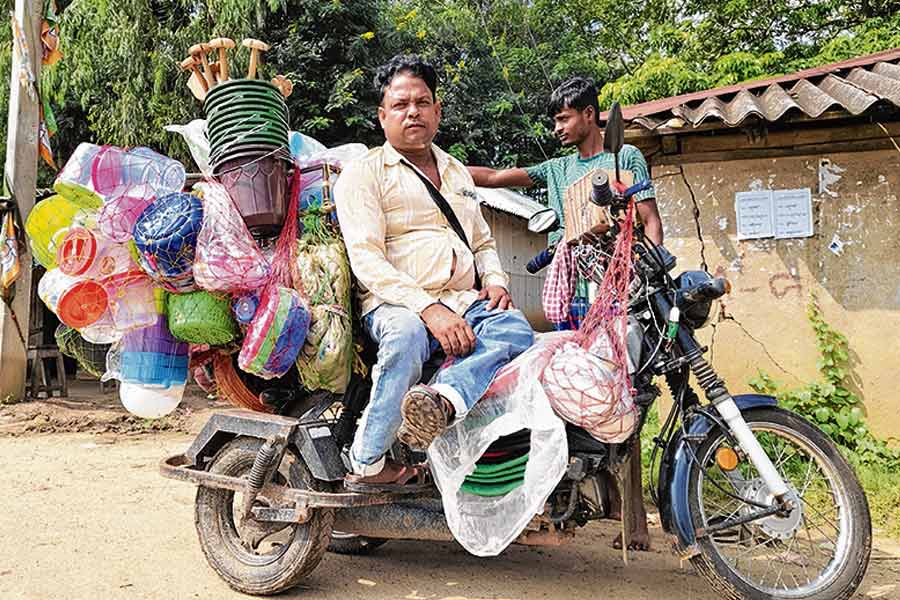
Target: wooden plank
(757, 153)
(21, 173)
(692, 144)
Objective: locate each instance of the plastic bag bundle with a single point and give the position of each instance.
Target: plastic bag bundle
(201, 318)
(281, 321)
(227, 259)
(276, 334)
(166, 237)
(516, 403)
(90, 357)
(118, 169)
(322, 270)
(586, 390)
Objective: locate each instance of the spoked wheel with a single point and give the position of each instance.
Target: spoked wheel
(819, 551)
(256, 557)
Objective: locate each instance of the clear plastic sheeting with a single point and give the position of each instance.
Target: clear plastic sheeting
(485, 526)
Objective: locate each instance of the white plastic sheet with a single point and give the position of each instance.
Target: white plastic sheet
(486, 526)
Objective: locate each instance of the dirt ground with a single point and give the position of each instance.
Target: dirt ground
(84, 514)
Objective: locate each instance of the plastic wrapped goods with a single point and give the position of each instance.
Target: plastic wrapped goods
(276, 334)
(322, 270)
(227, 258)
(46, 226)
(516, 401)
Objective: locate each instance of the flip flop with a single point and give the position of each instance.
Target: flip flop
(400, 485)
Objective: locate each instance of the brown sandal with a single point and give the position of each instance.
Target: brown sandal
(399, 484)
(426, 414)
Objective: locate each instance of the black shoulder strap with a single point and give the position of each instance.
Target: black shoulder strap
(445, 208)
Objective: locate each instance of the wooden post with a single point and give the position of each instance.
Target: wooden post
(21, 173)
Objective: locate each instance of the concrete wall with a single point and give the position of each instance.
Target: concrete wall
(854, 196)
(516, 246)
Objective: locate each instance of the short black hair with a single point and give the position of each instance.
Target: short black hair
(577, 93)
(405, 63)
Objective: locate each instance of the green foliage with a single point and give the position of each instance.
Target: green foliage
(829, 402)
(498, 60)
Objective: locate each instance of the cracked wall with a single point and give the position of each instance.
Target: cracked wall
(857, 279)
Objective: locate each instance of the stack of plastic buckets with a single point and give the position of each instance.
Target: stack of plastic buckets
(247, 126)
(501, 468)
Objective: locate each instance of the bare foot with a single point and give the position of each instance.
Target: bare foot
(640, 541)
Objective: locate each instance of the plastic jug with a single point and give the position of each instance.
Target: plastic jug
(117, 169)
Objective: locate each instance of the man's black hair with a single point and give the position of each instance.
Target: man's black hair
(404, 63)
(577, 93)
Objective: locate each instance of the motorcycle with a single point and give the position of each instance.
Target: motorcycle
(757, 498)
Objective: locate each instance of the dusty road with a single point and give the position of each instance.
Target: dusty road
(85, 516)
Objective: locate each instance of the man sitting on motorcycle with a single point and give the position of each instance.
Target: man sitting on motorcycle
(419, 279)
(574, 109)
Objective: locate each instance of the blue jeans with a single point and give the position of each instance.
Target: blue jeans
(404, 345)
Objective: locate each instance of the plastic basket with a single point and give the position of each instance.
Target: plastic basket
(166, 235)
(132, 301)
(91, 357)
(201, 318)
(46, 226)
(74, 181)
(230, 386)
(152, 356)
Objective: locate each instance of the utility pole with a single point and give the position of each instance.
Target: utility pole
(21, 176)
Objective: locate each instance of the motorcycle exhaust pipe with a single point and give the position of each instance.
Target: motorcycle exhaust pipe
(395, 522)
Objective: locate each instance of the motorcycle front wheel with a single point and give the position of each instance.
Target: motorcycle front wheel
(819, 551)
(258, 557)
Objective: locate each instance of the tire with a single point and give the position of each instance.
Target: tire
(242, 567)
(352, 544)
(782, 540)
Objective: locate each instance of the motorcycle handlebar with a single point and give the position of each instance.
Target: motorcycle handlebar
(540, 260)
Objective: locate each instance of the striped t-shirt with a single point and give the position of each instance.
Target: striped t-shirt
(557, 174)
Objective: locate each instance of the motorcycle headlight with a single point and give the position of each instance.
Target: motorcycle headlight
(694, 314)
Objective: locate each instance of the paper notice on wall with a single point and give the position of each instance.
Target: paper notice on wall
(792, 210)
(754, 214)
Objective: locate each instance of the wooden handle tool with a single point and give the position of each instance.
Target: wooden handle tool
(190, 64)
(285, 85)
(200, 51)
(222, 44)
(255, 47)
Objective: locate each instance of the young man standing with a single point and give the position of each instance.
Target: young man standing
(429, 278)
(574, 109)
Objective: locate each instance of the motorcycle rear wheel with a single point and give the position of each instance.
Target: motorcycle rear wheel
(253, 557)
(819, 552)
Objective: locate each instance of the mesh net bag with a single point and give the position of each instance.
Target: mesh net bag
(227, 258)
(132, 300)
(120, 213)
(201, 318)
(281, 322)
(166, 238)
(322, 270)
(91, 357)
(117, 169)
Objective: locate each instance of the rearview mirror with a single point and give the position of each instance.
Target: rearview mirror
(543, 221)
(614, 134)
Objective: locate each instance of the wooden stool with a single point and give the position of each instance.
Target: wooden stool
(37, 358)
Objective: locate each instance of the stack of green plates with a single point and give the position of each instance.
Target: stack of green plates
(496, 479)
(245, 115)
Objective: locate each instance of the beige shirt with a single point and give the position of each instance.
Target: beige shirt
(400, 245)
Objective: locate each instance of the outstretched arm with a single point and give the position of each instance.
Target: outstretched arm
(491, 178)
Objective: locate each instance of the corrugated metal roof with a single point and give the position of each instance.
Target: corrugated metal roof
(853, 86)
(508, 201)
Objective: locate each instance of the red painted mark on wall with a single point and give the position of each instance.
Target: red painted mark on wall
(780, 290)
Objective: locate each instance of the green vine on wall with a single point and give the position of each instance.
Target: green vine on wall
(829, 402)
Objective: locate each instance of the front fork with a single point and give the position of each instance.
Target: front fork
(719, 397)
